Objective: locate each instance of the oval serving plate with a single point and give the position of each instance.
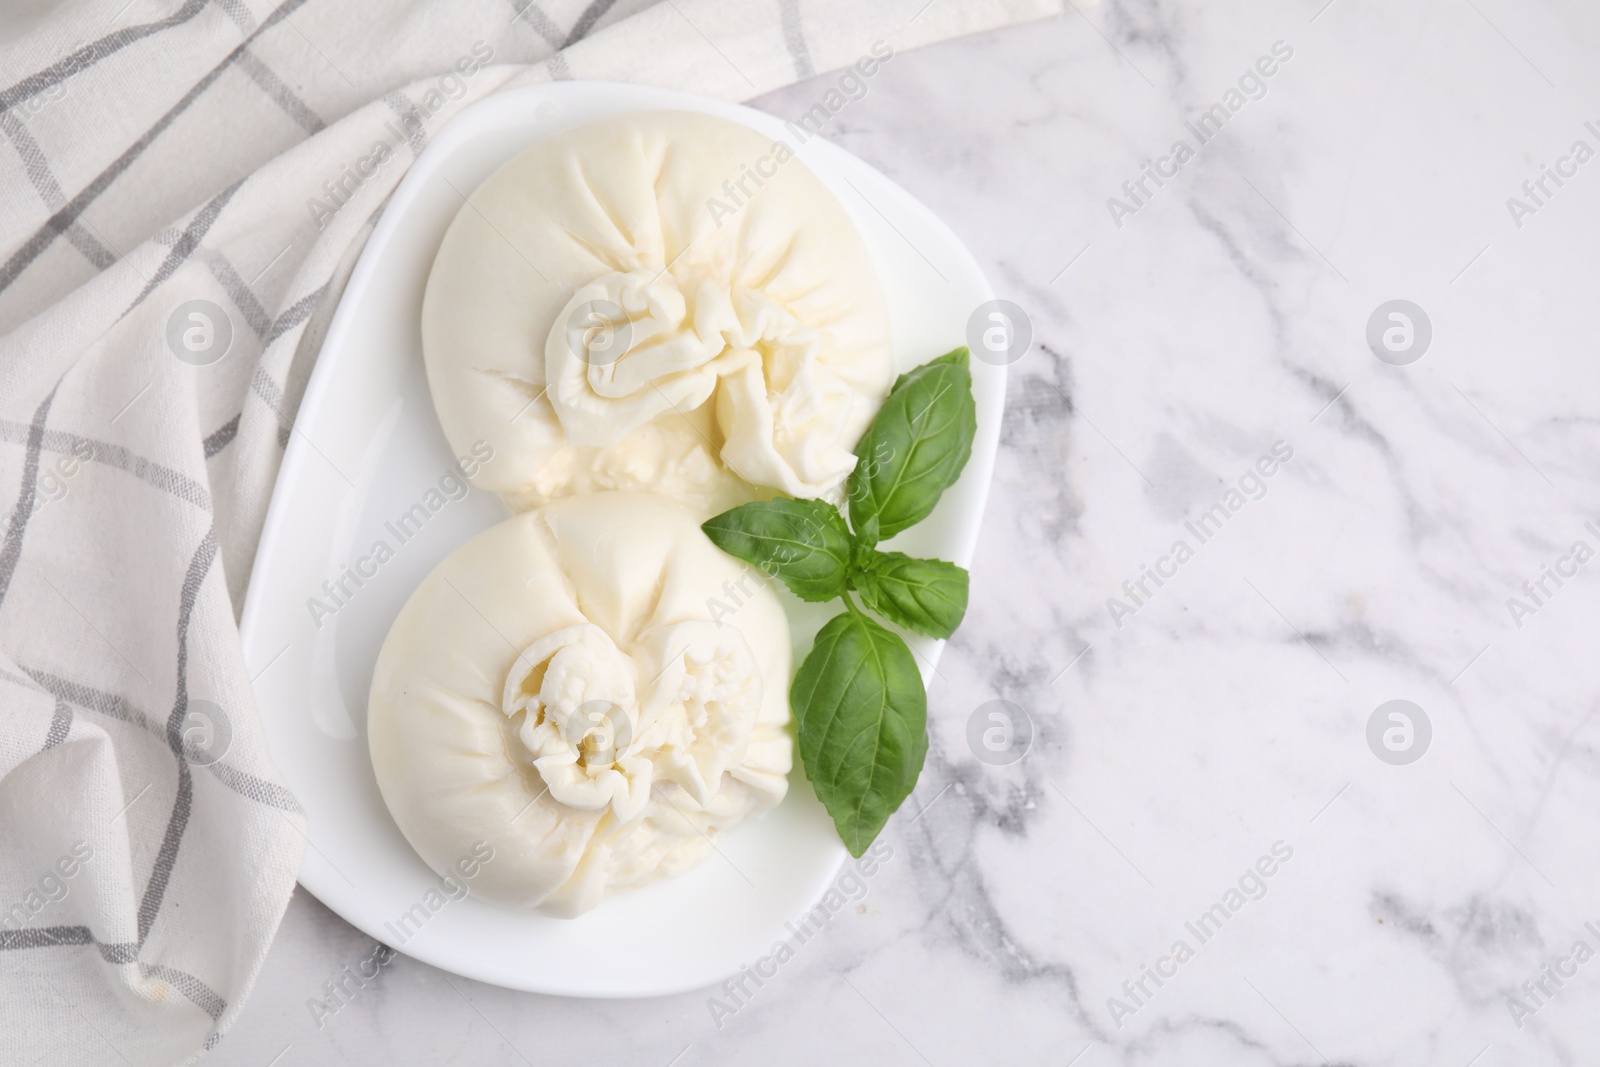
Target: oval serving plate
(369, 463)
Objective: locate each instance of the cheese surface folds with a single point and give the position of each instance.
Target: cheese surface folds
(593, 689)
(658, 300)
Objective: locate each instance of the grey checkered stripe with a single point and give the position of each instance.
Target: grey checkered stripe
(112, 706)
(794, 38)
(119, 954)
(44, 182)
(92, 53)
(586, 21)
(43, 237)
(177, 483)
(178, 820)
(64, 217)
(11, 548)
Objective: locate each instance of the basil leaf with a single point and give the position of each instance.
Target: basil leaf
(863, 718)
(926, 596)
(915, 448)
(803, 542)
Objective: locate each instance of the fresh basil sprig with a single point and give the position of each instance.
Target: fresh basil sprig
(915, 448)
(857, 696)
(803, 542)
(863, 724)
(926, 596)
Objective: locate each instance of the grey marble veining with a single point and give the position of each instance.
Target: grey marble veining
(1224, 715)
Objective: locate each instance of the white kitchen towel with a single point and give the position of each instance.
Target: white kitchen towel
(184, 187)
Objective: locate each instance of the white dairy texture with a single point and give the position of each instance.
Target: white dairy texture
(557, 688)
(598, 321)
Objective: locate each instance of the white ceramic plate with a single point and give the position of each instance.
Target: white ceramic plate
(367, 447)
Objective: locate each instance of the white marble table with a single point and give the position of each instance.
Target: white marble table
(1187, 735)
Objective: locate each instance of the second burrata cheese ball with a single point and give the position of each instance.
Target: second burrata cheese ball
(571, 689)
